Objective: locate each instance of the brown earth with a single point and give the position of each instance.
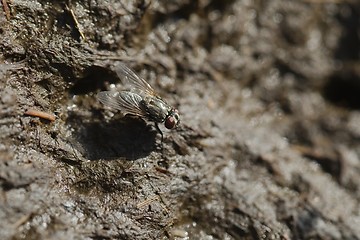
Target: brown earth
(268, 145)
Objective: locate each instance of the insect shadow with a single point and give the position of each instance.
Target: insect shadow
(128, 138)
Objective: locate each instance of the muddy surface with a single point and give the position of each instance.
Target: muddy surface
(268, 145)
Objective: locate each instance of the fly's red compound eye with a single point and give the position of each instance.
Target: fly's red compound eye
(170, 122)
(172, 119)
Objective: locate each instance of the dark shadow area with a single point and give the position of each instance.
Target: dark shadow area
(349, 45)
(327, 164)
(343, 89)
(95, 77)
(128, 137)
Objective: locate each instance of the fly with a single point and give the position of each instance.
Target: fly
(139, 100)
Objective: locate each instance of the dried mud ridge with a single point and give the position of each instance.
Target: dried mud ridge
(267, 148)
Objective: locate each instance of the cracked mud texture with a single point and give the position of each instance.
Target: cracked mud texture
(268, 145)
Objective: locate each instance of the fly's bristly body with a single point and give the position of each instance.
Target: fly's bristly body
(139, 100)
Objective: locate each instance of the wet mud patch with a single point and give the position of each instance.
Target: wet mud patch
(268, 143)
(103, 176)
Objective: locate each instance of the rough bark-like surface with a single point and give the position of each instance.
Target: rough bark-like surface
(268, 145)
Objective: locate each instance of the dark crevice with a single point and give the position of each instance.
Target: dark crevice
(343, 89)
(94, 79)
(349, 45)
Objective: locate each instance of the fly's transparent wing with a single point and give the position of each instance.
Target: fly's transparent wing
(125, 101)
(137, 83)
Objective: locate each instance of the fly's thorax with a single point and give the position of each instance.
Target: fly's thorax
(156, 108)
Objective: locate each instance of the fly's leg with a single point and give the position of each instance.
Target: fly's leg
(161, 133)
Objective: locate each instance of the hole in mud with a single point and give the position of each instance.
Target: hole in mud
(94, 79)
(343, 89)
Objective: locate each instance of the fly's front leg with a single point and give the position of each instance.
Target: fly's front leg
(162, 135)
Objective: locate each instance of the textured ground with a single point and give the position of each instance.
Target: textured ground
(268, 145)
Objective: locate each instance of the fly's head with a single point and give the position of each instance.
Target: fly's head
(172, 119)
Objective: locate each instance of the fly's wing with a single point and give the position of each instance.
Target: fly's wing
(126, 102)
(138, 84)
